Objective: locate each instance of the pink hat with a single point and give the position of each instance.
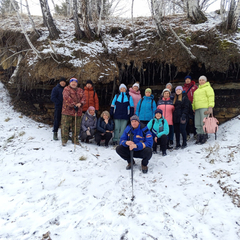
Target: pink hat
(91, 108)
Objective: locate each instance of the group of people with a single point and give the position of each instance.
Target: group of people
(178, 111)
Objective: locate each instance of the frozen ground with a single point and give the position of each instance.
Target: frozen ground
(49, 189)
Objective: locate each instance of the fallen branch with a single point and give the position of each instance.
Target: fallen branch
(180, 41)
(14, 55)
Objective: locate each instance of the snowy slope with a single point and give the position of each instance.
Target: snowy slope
(44, 187)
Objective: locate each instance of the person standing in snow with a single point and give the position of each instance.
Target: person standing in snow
(146, 107)
(159, 129)
(73, 100)
(91, 97)
(180, 116)
(57, 98)
(88, 125)
(136, 94)
(122, 109)
(189, 88)
(141, 145)
(167, 107)
(203, 104)
(105, 127)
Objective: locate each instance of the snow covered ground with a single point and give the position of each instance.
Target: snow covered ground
(49, 189)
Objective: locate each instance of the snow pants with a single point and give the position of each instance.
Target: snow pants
(120, 125)
(103, 136)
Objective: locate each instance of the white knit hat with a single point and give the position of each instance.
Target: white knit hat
(203, 78)
(166, 90)
(122, 86)
(136, 85)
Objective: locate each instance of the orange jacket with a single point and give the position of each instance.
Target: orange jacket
(91, 99)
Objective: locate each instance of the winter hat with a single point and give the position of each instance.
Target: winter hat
(203, 78)
(62, 79)
(136, 85)
(73, 79)
(148, 90)
(188, 77)
(178, 87)
(91, 108)
(169, 84)
(122, 86)
(158, 111)
(135, 117)
(166, 90)
(89, 81)
(106, 113)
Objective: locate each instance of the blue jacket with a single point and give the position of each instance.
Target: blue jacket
(57, 96)
(159, 128)
(102, 126)
(142, 137)
(147, 110)
(122, 106)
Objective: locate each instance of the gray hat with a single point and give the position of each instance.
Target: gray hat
(135, 117)
(166, 90)
(203, 78)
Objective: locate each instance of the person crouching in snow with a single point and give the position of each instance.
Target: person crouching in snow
(105, 127)
(141, 145)
(160, 130)
(89, 125)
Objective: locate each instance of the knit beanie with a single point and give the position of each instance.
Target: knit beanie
(188, 77)
(166, 90)
(73, 79)
(148, 90)
(62, 79)
(122, 86)
(89, 81)
(203, 78)
(135, 117)
(91, 108)
(158, 111)
(169, 84)
(136, 85)
(178, 87)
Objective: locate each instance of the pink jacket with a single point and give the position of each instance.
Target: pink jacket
(191, 91)
(167, 107)
(70, 98)
(136, 96)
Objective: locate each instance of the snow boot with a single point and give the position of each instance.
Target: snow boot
(128, 167)
(168, 145)
(199, 139)
(204, 138)
(164, 153)
(55, 136)
(177, 146)
(144, 169)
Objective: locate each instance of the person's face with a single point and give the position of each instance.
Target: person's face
(158, 115)
(123, 89)
(166, 94)
(73, 84)
(63, 83)
(201, 81)
(89, 85)
(91, 112)
(105, 116)
(147, 94)
(134, 123)
(169, 87)
(135, 88)
(179, 91)
(187, 80)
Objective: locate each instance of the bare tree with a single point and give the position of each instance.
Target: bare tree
(85, 20)
(100, 19)
(48, 20)
(230, 22)
(78, 32)
(194, 12)
(133, 26)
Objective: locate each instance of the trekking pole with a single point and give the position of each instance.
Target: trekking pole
(75, 131)
(131, 157)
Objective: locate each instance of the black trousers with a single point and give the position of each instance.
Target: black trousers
(162, 141)
(106, 136)
(180, 128)
(85, 136)
(144, 154)
(57, 118)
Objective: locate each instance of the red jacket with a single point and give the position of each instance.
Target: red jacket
(91, 99)
(71, 97)
(166, 105)
(191, 91)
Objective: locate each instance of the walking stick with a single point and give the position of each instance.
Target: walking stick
(131, 157)
(75, 132)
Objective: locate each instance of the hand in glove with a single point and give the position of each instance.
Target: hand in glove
(209, 111)
(75, 108)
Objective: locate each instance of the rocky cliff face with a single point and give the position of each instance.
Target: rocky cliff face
(115, 58)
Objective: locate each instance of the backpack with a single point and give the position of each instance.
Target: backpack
(141, 104)
(210, 125)
(160, 129)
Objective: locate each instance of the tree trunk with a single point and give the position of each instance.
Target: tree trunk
(236, 15)
(100, 19)
(86, 27)
(78, 32)
(194, 12)
(133, 27)
(48, 20)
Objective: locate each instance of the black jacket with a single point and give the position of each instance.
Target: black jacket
(57, 96)
(102, 126)
(181, 108)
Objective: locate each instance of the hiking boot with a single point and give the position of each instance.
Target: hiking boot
(64, 144)
(171, 142)
(168, 146)
(115, 143)
(144, 169)
(164, 153)
(55, 136)
(184, 146)
(199, 139)
(177, 146)
(154, 152)
(128, 167)
(204, 138)
(87, 140)
(188, 137)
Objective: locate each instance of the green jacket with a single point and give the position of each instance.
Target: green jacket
(203, 97)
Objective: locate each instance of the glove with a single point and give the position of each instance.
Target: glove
(75, 108)
(88, 133)
(209, 111)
